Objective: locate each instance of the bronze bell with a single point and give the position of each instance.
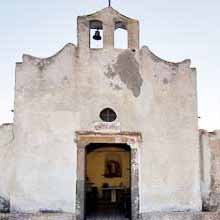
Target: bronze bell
(97, 35)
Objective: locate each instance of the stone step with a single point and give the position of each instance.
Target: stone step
(106, 218)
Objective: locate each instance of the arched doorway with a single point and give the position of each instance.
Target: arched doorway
(108, 181)
(132, 140)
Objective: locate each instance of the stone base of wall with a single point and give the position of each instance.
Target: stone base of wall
(181, 216)
(145, 216)
(4, 205)
(20, 216)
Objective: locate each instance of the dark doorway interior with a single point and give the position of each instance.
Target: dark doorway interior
(108, 181)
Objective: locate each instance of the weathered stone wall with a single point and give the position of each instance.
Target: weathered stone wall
(57, 96)
(146, 216)
(6, 165)
(181, 216)
(37, 216)
(210, 164)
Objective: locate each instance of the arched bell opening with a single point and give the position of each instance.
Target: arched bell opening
(96, 34)
(121, 35)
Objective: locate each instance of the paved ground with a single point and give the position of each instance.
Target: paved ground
(146, 216)
(37, 217)
(106, 217)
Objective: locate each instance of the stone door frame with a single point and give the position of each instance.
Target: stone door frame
(83, 139)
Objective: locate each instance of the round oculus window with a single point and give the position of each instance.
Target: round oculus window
(108, 115)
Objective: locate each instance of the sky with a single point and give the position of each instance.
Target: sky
(174, 30)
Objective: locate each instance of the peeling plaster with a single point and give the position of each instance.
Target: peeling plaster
(127, 68)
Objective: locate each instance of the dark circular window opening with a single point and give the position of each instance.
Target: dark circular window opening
(108, 115)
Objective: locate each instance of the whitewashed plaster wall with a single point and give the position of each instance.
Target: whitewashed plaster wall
(6, 164)
(57, 96)
(210, 169)
(45, 121)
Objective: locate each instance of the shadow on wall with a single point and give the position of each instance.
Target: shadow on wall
(4, 205)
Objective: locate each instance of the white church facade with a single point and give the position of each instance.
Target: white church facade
(108, 130)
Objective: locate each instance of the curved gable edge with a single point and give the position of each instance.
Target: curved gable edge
(26, 58)
(185, 63)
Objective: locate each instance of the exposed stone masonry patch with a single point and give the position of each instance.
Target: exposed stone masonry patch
(127, 68)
